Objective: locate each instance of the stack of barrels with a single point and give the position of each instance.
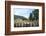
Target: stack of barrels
(28, 24)
(25, 23)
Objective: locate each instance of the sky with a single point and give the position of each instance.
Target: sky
(23, 12)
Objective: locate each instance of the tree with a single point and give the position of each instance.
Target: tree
(14, 17)
(30, 17)
(36, 14)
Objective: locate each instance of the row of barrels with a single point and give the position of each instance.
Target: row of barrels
(26, 25)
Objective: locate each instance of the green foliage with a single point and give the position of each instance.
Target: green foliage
(14, 17)
(30, 17)
(20, 17)
(34, 15)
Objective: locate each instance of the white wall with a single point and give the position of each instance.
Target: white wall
(2, 18)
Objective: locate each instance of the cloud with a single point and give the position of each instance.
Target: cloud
(23, 12)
